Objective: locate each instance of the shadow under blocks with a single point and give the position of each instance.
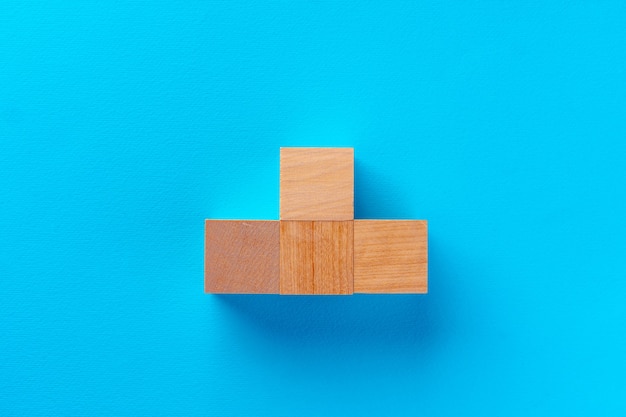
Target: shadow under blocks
(368, 321)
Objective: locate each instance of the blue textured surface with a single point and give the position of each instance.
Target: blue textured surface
(122, 127)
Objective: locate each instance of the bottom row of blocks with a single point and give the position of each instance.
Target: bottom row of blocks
(316, 257)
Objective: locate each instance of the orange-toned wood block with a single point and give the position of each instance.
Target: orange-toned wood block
(316, 257)
(316, 183)
(296, 257)
(242, 256)
(390, 256)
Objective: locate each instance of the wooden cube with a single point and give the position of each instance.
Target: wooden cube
(242, 257)
(316, 184)
(390, 256)
(316, 257)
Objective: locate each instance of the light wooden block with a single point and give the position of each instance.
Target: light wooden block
(316, 257)
(390, 256)
(316, 183)
(242, 256)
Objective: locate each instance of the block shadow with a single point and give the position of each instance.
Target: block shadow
(411, 323)
(378, 197)
(418, 322)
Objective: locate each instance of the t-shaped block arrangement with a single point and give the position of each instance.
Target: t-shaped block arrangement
(317, 247)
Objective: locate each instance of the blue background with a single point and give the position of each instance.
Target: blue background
(123, 126)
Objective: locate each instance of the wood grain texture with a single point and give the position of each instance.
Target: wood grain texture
(390, 256)
(296, 257)
(316, 184)
(333, 265)
(242, 257)
(316, 257)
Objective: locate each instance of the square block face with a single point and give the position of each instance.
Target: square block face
(316, 184)
(390, 256)
(241, 257)
(316, 257)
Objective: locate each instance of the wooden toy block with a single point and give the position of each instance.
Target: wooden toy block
(316, 183)
(316, 257)
(242, 256)
(390, 256)
(317, 247)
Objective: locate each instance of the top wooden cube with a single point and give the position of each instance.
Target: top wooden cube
(316, 183)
